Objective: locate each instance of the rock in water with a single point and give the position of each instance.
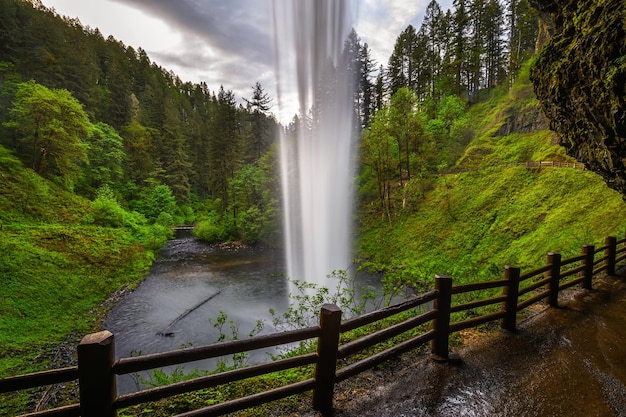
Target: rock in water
(580, 78)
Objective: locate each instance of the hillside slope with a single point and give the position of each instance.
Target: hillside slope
(471, 223)
(56, 269)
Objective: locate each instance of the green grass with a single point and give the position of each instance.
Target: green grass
(56, 270)
(471, 224)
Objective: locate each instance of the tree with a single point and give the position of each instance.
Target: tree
(379, 91)
(261, 125)
(406, 126)
(495, 67)
(379, 152)
(402, 65)
(139, 148)
(260, 101)
(447, 131)
(157, 200)
(477, 45)
(523, 29)
(365, 88)
(53, 125)
(224, 146)
(106, 159)
(172, 154)
(432, 29)
(460, 27)
(245, 199)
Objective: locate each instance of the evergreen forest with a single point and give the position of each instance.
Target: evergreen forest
(103, 151)
(138, 136)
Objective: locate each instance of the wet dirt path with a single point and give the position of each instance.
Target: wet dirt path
(569, 361)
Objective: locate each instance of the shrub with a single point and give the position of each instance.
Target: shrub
(106, 210)
(209, 231)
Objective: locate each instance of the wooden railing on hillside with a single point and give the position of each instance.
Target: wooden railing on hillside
(97, 367)
(527, 164)
(549, 164)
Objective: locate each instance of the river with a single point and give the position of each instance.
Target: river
(190, 283)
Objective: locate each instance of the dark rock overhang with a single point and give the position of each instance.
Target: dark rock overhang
(580, 79)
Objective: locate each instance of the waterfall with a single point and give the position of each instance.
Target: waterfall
(317, 158)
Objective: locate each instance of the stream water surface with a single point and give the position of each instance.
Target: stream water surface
(192, 282)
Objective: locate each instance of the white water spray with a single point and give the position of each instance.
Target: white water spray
(317, 161)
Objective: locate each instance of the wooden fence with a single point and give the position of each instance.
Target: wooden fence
(552, 164)
(97, 367)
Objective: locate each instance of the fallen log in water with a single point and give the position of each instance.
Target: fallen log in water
(168, 330)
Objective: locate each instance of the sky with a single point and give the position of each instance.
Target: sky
(228, 42)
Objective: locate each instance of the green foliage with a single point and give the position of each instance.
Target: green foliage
(470, 224)
(108, 213)
(244, 202)
(449, 131)
(106, 160)
(156, 201)
(61, 259)
(309, 299)
(238, 359)
(210, 230)
(53, 126)
(403, 145)
(159, 377)
(139, 147)
(106, 210)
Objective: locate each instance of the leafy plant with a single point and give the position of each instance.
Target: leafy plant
(220, 322)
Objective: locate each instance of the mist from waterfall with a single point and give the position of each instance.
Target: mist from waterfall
(317, 155)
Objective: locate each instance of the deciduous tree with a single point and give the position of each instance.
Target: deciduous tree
(54, 126)
(106, 159)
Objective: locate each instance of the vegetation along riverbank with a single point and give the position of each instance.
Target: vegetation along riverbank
(84, 208)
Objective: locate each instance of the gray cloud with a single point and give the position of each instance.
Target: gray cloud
(230, 42)
(224, 42)
(235, 26)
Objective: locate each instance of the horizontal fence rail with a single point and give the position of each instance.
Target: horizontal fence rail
(431, 318)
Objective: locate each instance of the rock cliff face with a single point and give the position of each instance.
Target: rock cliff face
(529, 120)
(580, 80)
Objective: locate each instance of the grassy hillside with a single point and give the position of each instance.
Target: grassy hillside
(56, 269)
(471, 223)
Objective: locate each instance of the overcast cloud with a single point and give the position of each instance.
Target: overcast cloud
(227, 43)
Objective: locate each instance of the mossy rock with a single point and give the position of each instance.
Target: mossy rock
(580, 78)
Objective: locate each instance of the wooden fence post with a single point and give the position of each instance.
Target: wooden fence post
(587, 262)
(554, 259)
(511, 292)
(327, 347)
(610, 253)
(441, 323)
(96, 381)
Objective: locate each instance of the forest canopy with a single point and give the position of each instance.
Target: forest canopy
(114, 119)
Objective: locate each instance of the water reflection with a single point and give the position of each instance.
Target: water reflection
(193, 282)
(243, 283)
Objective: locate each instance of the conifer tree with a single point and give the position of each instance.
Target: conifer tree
(261, 135)
(224, 145)
(495, 63)
(460, 44)
(366, 87)
(432, 29)
(523, 29)
(402, 65)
